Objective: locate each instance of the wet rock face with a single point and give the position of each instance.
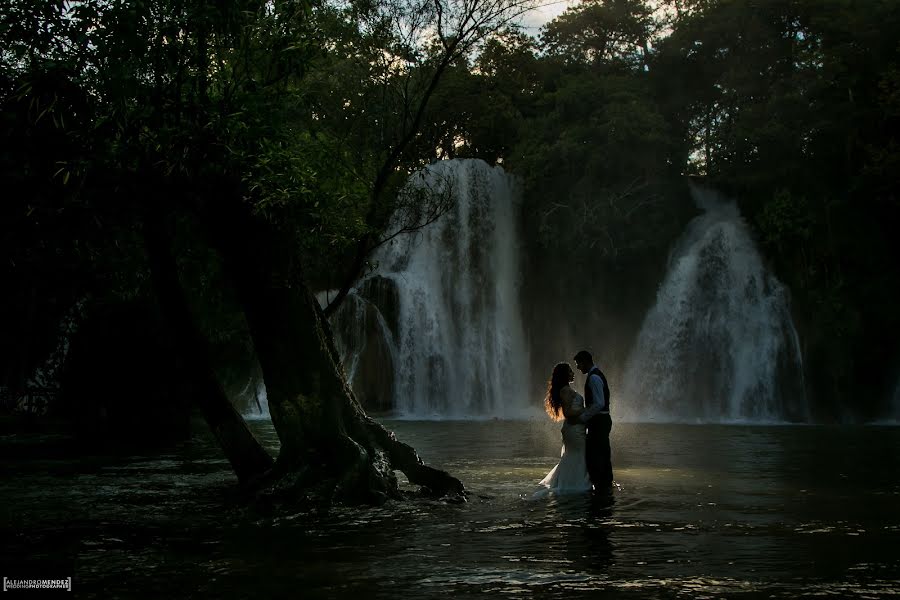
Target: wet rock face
(364, 339)
(373, 376)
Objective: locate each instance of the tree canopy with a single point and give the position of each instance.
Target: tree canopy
(307, 117)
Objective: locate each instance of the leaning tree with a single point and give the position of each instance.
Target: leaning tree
(282, 131)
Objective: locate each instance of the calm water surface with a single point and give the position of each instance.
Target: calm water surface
(701, 512)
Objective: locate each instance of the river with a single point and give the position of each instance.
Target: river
(702, 511)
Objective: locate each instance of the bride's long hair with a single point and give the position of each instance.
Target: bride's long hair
(562, 375)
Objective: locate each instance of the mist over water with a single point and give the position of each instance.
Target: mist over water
(719, 345)
(258, 402)
(461, 347)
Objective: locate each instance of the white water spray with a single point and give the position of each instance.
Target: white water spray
(720, 344)
(258, 403)
(460, 346)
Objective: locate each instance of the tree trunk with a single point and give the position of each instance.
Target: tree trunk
(328, 444)
(247, 457)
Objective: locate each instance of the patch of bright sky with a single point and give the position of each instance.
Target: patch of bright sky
(546, 11)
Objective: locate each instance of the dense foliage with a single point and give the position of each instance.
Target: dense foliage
(788, 107)
(113, 109)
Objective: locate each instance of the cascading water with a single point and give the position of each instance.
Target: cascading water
(460, 349)
(257, 401)
(720, 344)
(365, 342)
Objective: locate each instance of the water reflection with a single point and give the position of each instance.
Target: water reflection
(702, 511)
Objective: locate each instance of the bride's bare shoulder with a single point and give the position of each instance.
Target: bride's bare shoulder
(566, 392)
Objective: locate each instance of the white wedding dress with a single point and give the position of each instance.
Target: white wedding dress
(570, 475)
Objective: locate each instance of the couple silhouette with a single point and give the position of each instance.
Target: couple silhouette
(585, 462)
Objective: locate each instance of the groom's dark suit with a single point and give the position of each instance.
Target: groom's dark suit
(597, 452)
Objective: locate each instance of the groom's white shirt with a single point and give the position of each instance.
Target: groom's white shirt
(596, 408)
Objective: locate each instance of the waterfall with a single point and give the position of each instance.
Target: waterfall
(258, 403)
(366, 342)
(460, 349)
(720, 344)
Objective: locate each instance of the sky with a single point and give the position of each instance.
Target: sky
(533, 20)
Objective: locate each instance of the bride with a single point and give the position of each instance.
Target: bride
(562, 402)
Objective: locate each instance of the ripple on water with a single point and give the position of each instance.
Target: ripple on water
(696, 516)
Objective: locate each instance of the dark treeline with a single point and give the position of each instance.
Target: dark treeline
(791, 108)
(180, 175)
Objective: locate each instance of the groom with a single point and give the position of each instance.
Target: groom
(596, 417)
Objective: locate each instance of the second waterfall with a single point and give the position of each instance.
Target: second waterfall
(448, 298)
(720, 344)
